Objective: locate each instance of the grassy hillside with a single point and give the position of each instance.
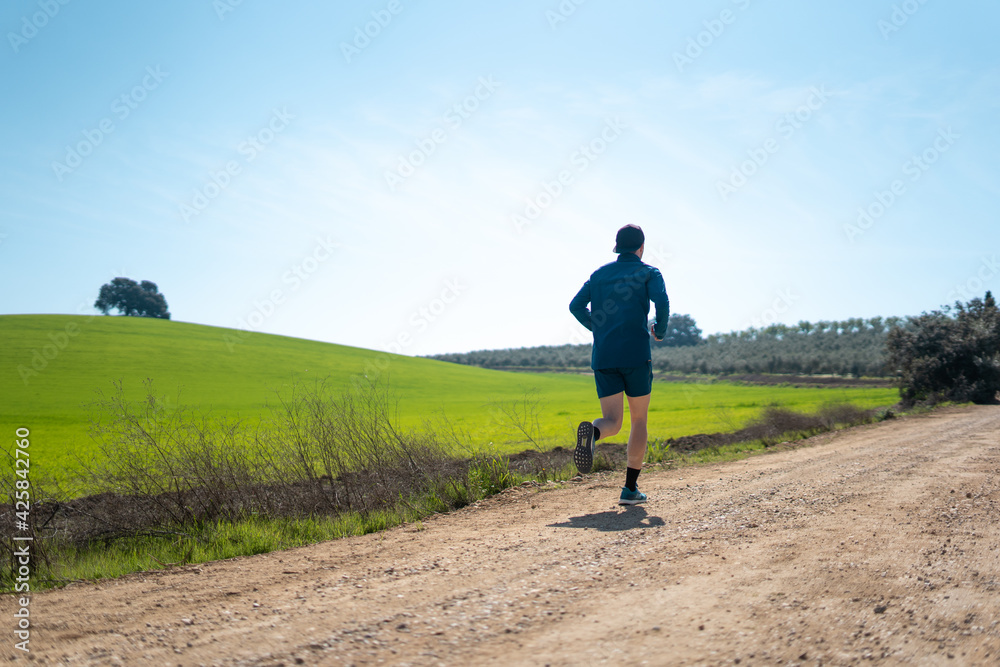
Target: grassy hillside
(53, 366)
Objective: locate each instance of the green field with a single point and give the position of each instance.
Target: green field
(54, 366)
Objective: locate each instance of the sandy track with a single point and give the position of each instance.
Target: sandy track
(878, 543)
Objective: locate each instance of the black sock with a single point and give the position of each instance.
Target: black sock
(631, 477)
(597, 434)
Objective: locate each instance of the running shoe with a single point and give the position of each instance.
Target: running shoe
(631, 497)
(583, 457)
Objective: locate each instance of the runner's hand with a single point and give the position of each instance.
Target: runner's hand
(653, 333)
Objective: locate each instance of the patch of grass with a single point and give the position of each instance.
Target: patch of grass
(657, 451)
(209, 542)
(553, 486)
(722, 453)
(931, 406)
(774, 426)
(602, 462)
(489, 475)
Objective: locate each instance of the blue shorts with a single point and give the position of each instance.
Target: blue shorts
(634, 381)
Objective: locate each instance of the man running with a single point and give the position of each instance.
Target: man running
(620, 293)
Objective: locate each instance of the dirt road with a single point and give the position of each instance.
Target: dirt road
(879, 543)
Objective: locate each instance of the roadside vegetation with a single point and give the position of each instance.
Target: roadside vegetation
(170, 486)
(951, 354)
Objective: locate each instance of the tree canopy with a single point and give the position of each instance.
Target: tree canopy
(945, 356)
(681, 331)
(133, 299)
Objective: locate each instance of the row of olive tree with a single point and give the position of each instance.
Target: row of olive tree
(854, 346)
(851, 347)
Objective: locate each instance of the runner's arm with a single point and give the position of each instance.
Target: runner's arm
(658, 295)
(578, 306)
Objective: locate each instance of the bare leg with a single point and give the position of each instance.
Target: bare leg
(612, 407)
(638, 409)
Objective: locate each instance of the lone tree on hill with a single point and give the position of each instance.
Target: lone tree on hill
(954, 358)
(132, 298)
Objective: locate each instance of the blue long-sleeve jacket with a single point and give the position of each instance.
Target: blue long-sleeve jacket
(619, 294)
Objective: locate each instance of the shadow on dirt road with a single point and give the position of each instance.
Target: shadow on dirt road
(613, 520)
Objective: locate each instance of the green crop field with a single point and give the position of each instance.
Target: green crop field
(54, 366)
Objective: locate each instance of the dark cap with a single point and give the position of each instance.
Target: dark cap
(629, 239)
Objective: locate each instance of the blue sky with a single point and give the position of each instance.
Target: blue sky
(447, 181)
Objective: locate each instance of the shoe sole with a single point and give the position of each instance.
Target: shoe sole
(632, 502)
(583, 457)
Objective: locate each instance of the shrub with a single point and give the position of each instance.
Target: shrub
(777, 423)
(940, 356)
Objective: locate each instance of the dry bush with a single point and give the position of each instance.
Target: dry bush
(348, 446)
(160, 468)
(776, 424)
(844, 414)
(163, 471)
